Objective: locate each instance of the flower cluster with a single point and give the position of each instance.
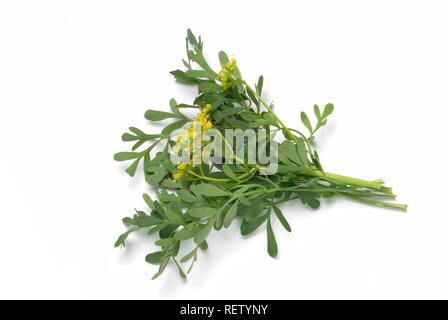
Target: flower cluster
(225, 75)
(185, 139)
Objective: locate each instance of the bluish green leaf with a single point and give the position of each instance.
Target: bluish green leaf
(124, 156)
(328, 110)
(182, 77)
(281, 218)
(154, 115)
(202, 234)
(223, 58)
(149, 201)
(122, 238)
(306, 122)
(309, 198)
(202, 212)
(189, 255)
(272, 243)
(208, 190)
(185, 234)
(191, 38)
(198, 74)
(209, 87)
(231, 214)
(161, 269)
(133, 167)
(187, 196)
(174, 216)
(155, 257)
(229, 172)
(259, 86)
(317, 112)
(249, 227)
(173, 126)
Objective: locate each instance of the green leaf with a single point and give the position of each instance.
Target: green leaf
(189, 255)
(203, 245)
(149, 201)
(191, 38)
(306, 122)
(157, 228)
(122, 238)
(181, 271)
(143, 220)
(209, 87)
(133, 167)
(124, 156)
(281, 218)
(174, 217)
(272, 243)
(154, 115)
(198, 74)
(129, 137)
(161, 269)
(252, 97)
(154, 178)
(229, 172)
(294, 152)
(155, 257)
(175, 249)
(223, 58)
(171, 184)
(250, 212)
(187, 196)
(302, 152)
(208, 190)
(137, 131)
(230, 215)
(182, 77)
(167, 231)
(173, 126)
(249, 227)
(309, 198)
(317, 112)
(259, 86)
(164, 196)
(165, 242)
(202, 212)
(244, 201)
(328, 110)
(185, 234)
(202, 234)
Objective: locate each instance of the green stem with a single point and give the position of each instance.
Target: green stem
(268, 108)
(206, 178)
(337, 178)
(379, 203)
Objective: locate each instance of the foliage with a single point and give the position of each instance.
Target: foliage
(207, 197)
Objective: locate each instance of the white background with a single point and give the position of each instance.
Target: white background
(75, 74)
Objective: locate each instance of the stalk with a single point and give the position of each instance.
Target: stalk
(337, 178)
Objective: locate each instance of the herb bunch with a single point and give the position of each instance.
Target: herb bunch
(193, 200)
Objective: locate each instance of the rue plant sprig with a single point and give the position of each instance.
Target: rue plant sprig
(195, 199)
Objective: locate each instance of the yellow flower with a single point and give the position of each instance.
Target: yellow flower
(204, 117)
(183, 166)
(189, 130)
(181, 170)
(182, 139)
(225, 75)
(231, 65)
(207, 108)
(207, 125)
(178, 175)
